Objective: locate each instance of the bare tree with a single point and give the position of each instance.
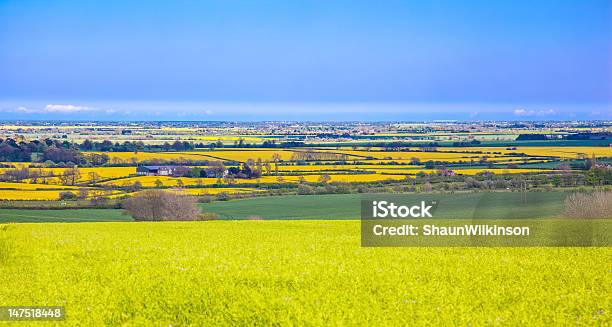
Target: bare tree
(324, 178)
(17, 174)
(259, 166)
(83, 193)
(70, 176)
(228, 179)
(159, 205)
(268, 167)
(276, 158)
(64, 177)
(75, 175)
(93, 177)
(217, 168)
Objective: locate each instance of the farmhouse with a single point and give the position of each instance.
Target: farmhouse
(156, 170)
(180, 171)
(447, 172)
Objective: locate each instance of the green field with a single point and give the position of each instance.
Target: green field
(66, 215)
(291, 273)
(490, 205)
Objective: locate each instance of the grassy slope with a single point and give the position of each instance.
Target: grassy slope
(338, 206)
(291, 272)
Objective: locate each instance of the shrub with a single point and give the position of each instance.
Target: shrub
(597, 204)
(304, 189)
(159, 205)
(205, 199)
(67, 196)
(208, 216)
(223, 196)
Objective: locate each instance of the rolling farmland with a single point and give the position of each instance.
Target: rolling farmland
(281, 240)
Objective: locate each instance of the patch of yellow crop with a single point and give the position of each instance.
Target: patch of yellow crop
(316, 168)
(423, 156)
(224, 155)
(232, 138)
(135, 157)
(10, 195)
(468, 159)
(87, 174)
(150, 181)
(200, 191)
(31, 187)
(106, 172)
(458, 171)
(217, 190)
(244, 155)
(557, 151)
(501, 171)
(569, 152)
(20, 164)
(333, 178)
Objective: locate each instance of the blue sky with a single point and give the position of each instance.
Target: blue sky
(306, 60)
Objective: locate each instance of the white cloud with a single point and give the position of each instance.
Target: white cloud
(208, 112)
(545, 112)
(523, 112)
(52, 109)
(65, 108)
(24, 110)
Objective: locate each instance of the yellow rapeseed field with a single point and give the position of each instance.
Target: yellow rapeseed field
(12, 195)
(152, 156)
(46, 194)
(423, 156)
(217, 190)
(225, 155)
(28, 186)
(461, 171)
(244, 155)
(232, 138)
(557, 151)
(458, 154)
(150, 181)
(290, 168)
(311, 273)
(569, 152)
